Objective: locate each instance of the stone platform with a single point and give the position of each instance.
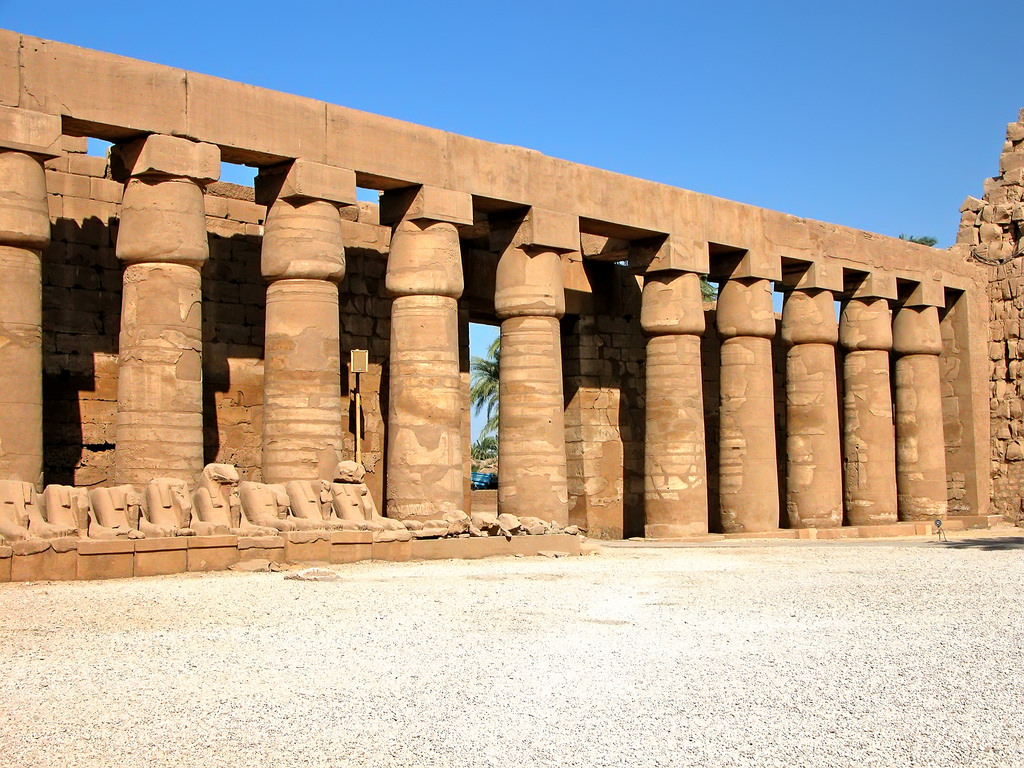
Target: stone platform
(80, 559)
(915, 528)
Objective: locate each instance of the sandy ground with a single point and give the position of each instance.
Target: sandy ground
(736, 654)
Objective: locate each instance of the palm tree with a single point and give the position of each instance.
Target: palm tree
(920, 240)
(483, 387)
(485, 448)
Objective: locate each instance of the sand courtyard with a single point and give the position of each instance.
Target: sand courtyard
(761, 654)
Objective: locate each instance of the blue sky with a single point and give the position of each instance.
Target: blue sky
(876, 115)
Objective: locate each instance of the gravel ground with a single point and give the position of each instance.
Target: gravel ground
(736, 654)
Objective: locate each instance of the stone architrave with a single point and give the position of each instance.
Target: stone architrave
(675, 464)
(26, 140)
(920, 444)
(869, 447)
(424, 275)
(163, 244)
(303, 260)
(814, 483)
(748, 469)
(529, 299)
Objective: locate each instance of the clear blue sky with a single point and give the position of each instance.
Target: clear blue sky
(877, 115)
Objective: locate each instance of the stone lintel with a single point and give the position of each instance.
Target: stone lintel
(304, 179)
(927, 293)
(34, 133)
(876, 285)
(678, 253)
(161, 155)
(426, 202)
(815, 275)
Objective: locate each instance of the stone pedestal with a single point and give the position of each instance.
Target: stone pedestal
(163, 243)
(920, 444)
(425, 472)
(303, 260)
(24, 232)
(814, 484)
(748, 471)
(529, 300)
(869, 453)
(675, 463)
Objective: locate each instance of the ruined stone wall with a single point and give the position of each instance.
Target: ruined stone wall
(991, 229)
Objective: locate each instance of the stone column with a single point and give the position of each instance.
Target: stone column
(920, 444)
(163, 243)
(675, 463)
(529, 300)
(26, 139)
(303, 260)
(424, 275)
(748, 470)
(869, 453)
(814, 483)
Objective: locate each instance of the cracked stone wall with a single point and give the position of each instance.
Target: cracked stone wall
(991, 229)
(81, 321)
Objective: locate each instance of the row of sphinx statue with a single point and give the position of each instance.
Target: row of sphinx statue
(220, 504)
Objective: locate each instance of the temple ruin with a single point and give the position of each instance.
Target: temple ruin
(174, 350)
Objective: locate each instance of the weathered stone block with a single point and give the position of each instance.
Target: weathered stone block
(303, 179)
(426, 202)
(307, 546)
(161, 556)
(211, 553)
(99, 559)
(27, 131)
(166, 156)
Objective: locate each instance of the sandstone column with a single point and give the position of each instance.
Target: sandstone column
(675, 468)
(424, 275)
(26, 139)
(303, 260)
(163, 243)
(814, 484)
(920, 444)
(748, 470)
(529, 300)
(869, 453)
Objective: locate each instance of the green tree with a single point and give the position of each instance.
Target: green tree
(483, 387)
(931, 242)
(485, 448)
(707, 291)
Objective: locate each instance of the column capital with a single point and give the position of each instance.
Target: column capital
(915, 331)
(426, 202)
(159, 155)
(809, 317)
(302, 239)
(34, 133)
(866, 323)
(672, 304)
(745, 309)
(303, 180)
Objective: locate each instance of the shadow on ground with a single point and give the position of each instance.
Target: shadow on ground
(1002, 543)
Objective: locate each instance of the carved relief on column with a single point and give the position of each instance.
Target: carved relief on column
(869, 448)
(303, 260)
(163, 243)
(424, 275)
(920, 444)
(675, 463)
(748, 470)
(529, 300)
(814, 486)
(26, 140)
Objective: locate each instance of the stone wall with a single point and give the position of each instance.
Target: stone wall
(990, 232)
